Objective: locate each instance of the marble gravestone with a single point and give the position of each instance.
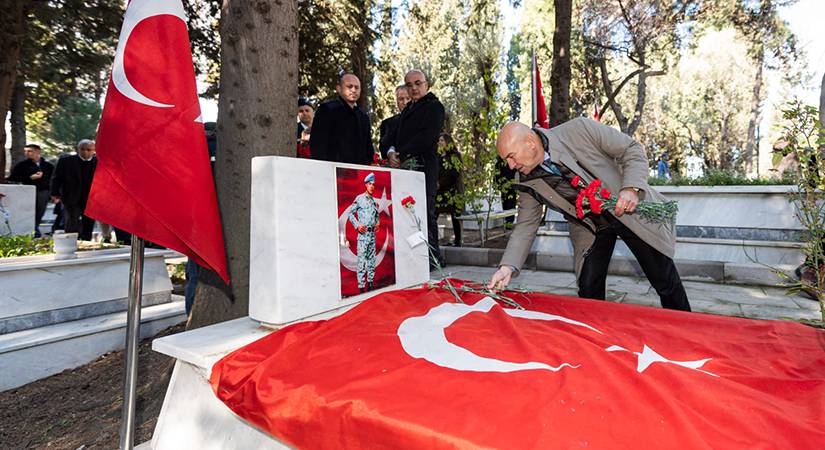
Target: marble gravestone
(17, 214)
(296, 237)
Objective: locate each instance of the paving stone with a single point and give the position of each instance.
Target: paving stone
(745, 296)
(643, 300)
(805, 302)
(629, 285)
(543, 278)
(718, 308)
(774, 313)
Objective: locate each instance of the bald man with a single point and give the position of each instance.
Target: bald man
(546, 161)
(341, 130)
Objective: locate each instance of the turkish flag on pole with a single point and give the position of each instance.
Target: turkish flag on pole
(596, 116)
(153, 176)
(539, 107)
(414, 369)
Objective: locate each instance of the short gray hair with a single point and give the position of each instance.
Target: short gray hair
(85, 141)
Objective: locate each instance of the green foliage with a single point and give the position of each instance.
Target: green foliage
(716, 177)
(11, 246)
(76, 119)
(804, 135)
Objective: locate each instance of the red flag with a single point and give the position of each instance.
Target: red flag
(415, 369)
(153, 177)
(596, 116)
(540, 107)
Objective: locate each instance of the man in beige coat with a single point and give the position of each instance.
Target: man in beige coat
(547, 161)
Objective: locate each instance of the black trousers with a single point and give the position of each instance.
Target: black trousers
(41, 200)
(76, 222)
(432, 229)
(658, 268)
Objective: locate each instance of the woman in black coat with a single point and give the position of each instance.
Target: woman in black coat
(450, 183)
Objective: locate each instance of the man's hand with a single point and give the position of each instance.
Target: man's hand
(395, 161)
(628, 199)
(501, 278)
(36, 176)
(56, 199)
(362, 229)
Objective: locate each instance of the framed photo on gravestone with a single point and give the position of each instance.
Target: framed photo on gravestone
(366, 243)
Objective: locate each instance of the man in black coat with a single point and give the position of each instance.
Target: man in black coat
(37, 172)
(305, 115)
(389, 127)
(417, 138)
(71, 183)
(341, 130)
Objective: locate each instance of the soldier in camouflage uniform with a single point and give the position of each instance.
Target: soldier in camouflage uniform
(366, 222)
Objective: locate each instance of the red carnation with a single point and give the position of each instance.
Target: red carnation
(575, 181)
(597, 206)
(2, 195)
(579, 201)
(597, 183)
(408, 201)
(579, 213)
(605, 194)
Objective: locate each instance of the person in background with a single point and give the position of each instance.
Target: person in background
(341, 129)
(450, 184)
(71, 184)
(662, 169)
(305, 115)
(37, 172)
(389, 127)
(417, 140)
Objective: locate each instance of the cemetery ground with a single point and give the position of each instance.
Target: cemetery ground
(80, 408)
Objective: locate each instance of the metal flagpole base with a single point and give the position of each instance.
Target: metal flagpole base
(127, 424)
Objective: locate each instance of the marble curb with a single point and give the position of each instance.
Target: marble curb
(708, 271)
(84, 257)
(68, 330)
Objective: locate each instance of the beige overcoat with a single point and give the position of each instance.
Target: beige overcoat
(590, 150)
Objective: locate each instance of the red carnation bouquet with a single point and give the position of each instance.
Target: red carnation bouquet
(595, 198)
(377, 160)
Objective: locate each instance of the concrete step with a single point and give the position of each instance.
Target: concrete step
(36, 353)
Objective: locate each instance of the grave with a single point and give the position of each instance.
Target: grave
(300, 269)
(17, 216)
(60, 314)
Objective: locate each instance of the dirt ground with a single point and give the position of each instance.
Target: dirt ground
(80, 408)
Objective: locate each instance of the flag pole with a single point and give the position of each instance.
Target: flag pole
(127, 424)
(533, 88)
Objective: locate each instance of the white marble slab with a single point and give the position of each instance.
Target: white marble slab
(294, 262)
(33, 286)
(19, 206)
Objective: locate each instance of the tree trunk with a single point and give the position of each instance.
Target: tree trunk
(12, 32)
(256, 117)
(18, 123)
(560, 75)
(757, 86)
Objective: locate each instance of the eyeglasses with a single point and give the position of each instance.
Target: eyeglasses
(417, 83)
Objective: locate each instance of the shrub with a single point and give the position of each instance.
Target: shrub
(11, 246)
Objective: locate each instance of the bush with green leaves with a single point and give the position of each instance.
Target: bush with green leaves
(806, 140)
(11, 246)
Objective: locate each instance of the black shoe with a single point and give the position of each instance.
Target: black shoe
(455, 244)
(361, 289)
(369, 286)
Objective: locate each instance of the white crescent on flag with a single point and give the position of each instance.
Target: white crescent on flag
(137, 11)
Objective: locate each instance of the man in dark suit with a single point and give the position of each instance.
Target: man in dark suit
(71, 183)
(341, 130)
(305, 115)
(389, 127)
(37, 172)
(417, 138)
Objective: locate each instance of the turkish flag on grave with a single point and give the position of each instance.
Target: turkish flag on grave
(153, 176)
(414, 369)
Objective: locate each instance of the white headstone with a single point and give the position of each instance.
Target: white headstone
(298, 257)
(17, 211)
